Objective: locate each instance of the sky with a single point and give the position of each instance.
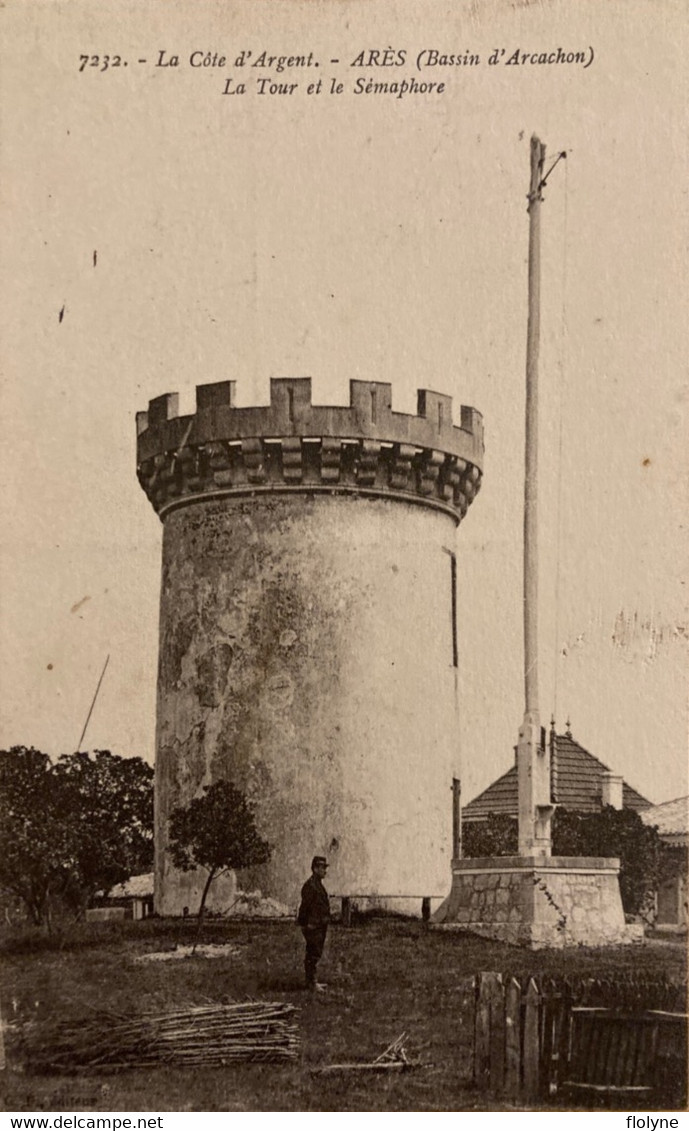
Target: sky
(185, 236)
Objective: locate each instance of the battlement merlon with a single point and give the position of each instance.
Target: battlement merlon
(290, 413)
(291, 445)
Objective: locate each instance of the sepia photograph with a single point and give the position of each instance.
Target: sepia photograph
(343, 612)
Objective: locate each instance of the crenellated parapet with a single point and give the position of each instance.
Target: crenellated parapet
(292, 445)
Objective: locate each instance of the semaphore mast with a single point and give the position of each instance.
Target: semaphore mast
(533, 755)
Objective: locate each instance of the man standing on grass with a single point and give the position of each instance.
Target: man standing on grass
(313, 918)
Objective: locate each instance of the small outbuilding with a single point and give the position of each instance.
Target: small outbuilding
(672, 822)
(135, 896)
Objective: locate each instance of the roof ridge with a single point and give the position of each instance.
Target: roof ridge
(583, 750)
(672, 801)
(594, 758)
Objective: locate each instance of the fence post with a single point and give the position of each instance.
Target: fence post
(496, 992)
(482, 1033)
(467, 1015)
(513, 1038)
(531, 1048)
(554, 1029)
(564, 1043)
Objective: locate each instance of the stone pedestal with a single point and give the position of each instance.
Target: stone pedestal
(552, 901)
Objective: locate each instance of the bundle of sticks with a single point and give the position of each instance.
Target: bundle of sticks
(207, 1035)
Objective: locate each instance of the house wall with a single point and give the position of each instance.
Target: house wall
(671, 903)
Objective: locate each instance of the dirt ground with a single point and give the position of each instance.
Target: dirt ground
(384, 977)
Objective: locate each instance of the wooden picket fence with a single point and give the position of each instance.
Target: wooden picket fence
(536, 1039)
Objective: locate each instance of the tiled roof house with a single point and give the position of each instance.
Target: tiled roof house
(578, 781)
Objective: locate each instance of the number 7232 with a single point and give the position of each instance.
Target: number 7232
(102, 62)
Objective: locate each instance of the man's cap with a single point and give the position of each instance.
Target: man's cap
(319, 860)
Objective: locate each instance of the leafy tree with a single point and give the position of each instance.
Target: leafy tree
(615, 832)
(496, 836)
(71, 828)
(111, 798)
(37, 842)
(644, 859)
(216, 832)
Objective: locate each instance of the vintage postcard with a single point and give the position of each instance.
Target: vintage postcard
(343, 630)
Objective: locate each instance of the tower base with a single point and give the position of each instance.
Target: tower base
(552, 901)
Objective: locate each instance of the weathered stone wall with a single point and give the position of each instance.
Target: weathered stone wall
(306, 653)
(560, 901)
(308, 647)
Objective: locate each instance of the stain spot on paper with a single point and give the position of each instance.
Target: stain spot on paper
(644, 638)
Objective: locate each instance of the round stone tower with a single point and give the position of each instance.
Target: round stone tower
(308, 636)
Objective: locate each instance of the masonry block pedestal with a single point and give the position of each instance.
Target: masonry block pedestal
(553, 901)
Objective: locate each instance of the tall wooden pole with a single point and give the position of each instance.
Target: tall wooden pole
(533, 762)
(531, 442)
(456, 818)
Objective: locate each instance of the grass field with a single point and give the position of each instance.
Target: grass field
(384, 977)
